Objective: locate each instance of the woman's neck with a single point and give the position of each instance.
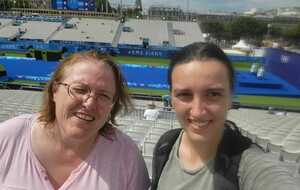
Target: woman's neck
(66, 146)
(194, 155)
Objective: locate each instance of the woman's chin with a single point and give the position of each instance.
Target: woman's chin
(199, 132)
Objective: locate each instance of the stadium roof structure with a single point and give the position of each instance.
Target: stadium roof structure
(160, 33)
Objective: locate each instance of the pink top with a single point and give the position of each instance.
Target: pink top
(112, 165)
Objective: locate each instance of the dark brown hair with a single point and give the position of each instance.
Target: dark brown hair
(200, 51)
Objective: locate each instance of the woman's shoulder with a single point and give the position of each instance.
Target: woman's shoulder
(260, 169)
(13, 134)
(255, 158)
(16, 126)
(120, 144)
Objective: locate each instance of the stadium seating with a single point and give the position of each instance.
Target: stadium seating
(16, 102)
(278, 135)
(290, 149)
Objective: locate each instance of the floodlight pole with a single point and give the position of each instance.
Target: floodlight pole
(187, 9)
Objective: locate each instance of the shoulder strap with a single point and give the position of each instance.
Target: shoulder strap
(161, 154)
(228, 157)
(227, 160)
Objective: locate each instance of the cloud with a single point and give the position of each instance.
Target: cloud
(222, 5)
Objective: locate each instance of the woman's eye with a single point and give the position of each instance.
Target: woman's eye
(184, 96)
(80, 90)
(103, 96)
(214, 94)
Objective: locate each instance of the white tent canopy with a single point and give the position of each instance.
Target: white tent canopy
(242, 45)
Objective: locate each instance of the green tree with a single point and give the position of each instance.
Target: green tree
(21, 3)
(6, 5)
(215, 29)
(248, 28)
(103, 6)
(292, 35)
(275, 32)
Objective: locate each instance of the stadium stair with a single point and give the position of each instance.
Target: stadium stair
(117, 35)
(53, 33)
(171, 35)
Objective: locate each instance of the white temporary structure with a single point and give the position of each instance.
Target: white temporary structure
(242, 45)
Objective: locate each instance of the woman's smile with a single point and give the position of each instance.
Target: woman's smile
(84, 116)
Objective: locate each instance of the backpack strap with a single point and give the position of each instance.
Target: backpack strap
(161, 154)
(228, 157)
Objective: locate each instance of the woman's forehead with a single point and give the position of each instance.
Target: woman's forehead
(200, 73)
(207, 67)
(96, 73)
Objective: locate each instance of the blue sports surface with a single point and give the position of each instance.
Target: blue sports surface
(142, 76)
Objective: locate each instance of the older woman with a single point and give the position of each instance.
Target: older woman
(71, 143)
(209, 152)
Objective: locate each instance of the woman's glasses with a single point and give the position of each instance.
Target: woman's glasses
(83, 92)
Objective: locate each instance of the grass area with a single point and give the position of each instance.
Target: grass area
(242, 66)
(282, 102)
(26, 83)
(142, 60)
(152, 62)
(12, 54)
(165, 62)
(292, 103)
(148, 91)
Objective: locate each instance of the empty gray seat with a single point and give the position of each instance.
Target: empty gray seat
(148, 161)
(148, 147)
(291, 146)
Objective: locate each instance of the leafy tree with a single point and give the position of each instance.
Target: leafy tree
(275, 32)
(292, 35)
(214, 28)
(21, 3)
(103, 6)
(248, 28)
(6, 5)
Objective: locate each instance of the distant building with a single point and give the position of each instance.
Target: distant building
(289, 11)
(254, 11)
(160, 11)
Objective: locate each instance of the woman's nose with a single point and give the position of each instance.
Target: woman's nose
(90, 99)
(198, 107)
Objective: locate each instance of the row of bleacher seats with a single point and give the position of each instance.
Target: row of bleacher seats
(252, 123)
(278, 135)
(91, 30)
(17, 102)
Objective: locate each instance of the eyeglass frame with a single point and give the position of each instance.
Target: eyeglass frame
(88, 95)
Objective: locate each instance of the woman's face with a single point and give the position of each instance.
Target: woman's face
(201, 96)
(83, 117)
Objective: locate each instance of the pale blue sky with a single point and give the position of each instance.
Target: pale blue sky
(218, 5)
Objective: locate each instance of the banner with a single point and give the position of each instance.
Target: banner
(284, 64)
(80, 5)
